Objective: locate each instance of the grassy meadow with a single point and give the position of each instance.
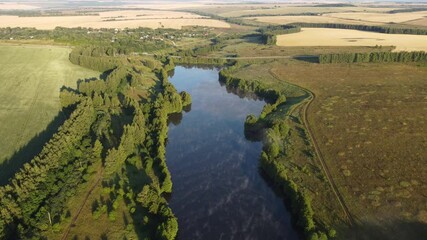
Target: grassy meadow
(31, 77)
(369, 120)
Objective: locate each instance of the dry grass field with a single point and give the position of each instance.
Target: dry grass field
(250, 47)
(31, 78)
(344, 37)
(239, 10)
(292, 9)
(379, 17)
(419, 22)
(16, 6)
(305, 19)
(116, 19)
(370, 123)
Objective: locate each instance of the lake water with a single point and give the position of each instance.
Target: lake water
(218, 190)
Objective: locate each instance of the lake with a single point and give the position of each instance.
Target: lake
(218, 189)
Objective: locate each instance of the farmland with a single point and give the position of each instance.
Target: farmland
(380, 17)
(16, 6)
(305, 19)
(345, 37)
(115, 19)
(331, 149)
(242, 10)
(30, 99)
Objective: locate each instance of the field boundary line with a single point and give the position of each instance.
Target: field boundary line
(322, 161)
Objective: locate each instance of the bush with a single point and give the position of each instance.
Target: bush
(112, 216)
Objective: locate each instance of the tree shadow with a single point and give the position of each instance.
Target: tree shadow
(69, 89)
(253, 38)
(174, 118)
(307, 58)
(26, 153)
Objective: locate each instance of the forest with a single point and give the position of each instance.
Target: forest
(374, 57)
(106, 127)
(268, 34)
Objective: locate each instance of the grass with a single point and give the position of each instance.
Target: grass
(86, 226)
(346, 37)
(299, 158)
(369, 120)
(31, 77)
(370, 123)
(251, 47)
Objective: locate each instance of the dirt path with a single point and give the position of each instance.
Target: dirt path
(305, 104)
(73, 221)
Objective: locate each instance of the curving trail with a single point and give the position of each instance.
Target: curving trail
(73, 221)
(311, 96)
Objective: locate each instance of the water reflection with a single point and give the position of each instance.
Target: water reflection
(218, 192)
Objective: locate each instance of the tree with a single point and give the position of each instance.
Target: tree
(186, 98)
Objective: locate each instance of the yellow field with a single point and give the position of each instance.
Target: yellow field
(292, 9)
(116, 19)
(16, 6)
(305, 19)
(344, 37)
(419, 22)
(380, 17)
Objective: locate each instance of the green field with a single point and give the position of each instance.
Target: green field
(29, 100)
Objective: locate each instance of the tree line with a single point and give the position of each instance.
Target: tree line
(232, 20)
(34, 200)
(379, 29)
(113, 128)
(403, 10)
(280, 14)
(203, 61)
(374, 57)
(275, 131)
(142, 141)
(268, 34)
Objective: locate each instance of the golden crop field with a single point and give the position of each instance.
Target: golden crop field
(292, 9)
(418, 22)
(379, 17)
(115, 19)
(345, 37)
(16, 6)
(305, 19)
